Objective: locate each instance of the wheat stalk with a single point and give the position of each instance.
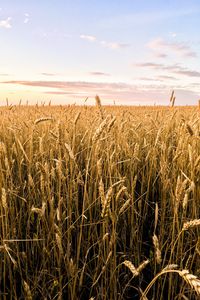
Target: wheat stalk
(124, 206)
(193, 281)
(100, 130)
(98, 104)
(170, 267)
(4, 199)
(189, 129)
(106, 203)
(43, 119)
(131, 267)
(138, 270)
(142, 266)
(191, 224)
(70, 152)
(157, 249)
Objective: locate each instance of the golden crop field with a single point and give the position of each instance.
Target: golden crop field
(99, 202)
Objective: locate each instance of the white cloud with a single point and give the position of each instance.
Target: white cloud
(26, 20)
(90, 38)
(6, 23)
(110, 45)
(173, 34)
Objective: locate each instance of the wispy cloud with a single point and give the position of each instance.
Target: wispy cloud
(106, 44)
(80, 88)
(160, 78)
(179, 48)
(114, 45)
(67, 85)
(150, 65)
(186, 72)
(114, 88)
(48, 74)
(27, 17)
(99, 74)
(161, 55)
(150, 79)
(177, 69)
(4, 74)
(122, 92)
(53, 34)
(90, 38)
(57, 93)
(168, 77)
(6, 23)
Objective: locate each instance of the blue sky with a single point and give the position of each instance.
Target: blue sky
(131, 52)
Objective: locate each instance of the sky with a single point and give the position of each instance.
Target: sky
(129, 52)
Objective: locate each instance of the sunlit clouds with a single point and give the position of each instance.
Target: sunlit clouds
(176, 69)
(165, 47)
(125, 51)
(122, 92)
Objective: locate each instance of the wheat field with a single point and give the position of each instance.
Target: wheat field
(99, 202)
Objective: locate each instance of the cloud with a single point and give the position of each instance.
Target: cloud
(167, 77)
(161, 55)
(53, 34)
(99, 74)
(188, 73)
(182, 71)
(158, 78)
(56, 93)
(179, 48)
(90, 38)
(6, 23)
(121, 92)
(150, 64)
(173, 34)
(69, 85)
(79, 88)
(110, 45)
(150, 79)
(26, 20)
(114, 45)
(48, 74)
(5, 74)
(177, 69)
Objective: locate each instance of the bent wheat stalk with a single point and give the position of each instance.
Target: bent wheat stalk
(191, 279)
